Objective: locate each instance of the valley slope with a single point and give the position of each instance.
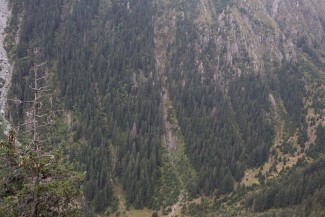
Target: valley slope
(184, 107)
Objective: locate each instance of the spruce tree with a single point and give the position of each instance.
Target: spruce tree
(34, 179)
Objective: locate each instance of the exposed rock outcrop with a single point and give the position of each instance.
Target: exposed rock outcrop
(5, 66)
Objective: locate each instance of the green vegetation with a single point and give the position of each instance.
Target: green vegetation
(169, 185)
(300, 187)
(185, 172)
(300, 192)
(112, 100)
(201, 111)
(235, 89)
(36, 184)
(318, 148)
(250, 99)
(319, 99)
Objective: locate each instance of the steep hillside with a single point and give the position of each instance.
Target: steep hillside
(5, 67)
(166, 102)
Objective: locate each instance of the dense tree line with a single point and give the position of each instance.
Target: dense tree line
(303, 186)
(318, 148)
(79, 93)
(36, 182)
(36, 44)
(228, 123)
(213, 143)
(250, 100)
(105, 69)
(103, 58)
(291, 88)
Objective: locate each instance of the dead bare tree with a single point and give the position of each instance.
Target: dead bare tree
(44, 167)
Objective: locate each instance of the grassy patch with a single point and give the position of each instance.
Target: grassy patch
(183, 168)
(168, 186)
(139, 213)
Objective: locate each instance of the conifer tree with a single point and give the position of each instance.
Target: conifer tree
(34, 180)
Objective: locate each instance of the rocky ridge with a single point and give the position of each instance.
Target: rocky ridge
(5, 66)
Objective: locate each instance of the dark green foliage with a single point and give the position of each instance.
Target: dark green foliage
(293, 189)
(123, 104)
(250, 100)
(303, 136)
(319, 99)
(40, 21)
(287, 148)
(13, 27)
(219, 131)
(35, 182)
(292, 90)
(96, 50)
(100, 54)
(227, 184)
(212, 143)
(318, 148)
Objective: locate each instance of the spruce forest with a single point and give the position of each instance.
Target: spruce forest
(143, 108)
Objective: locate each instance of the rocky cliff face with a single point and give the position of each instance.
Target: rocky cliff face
(251, 35)
(208, 45)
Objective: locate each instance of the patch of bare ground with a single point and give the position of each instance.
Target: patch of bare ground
(278, 158)
(251, 174)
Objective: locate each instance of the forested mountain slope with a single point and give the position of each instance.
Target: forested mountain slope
(168, 101)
